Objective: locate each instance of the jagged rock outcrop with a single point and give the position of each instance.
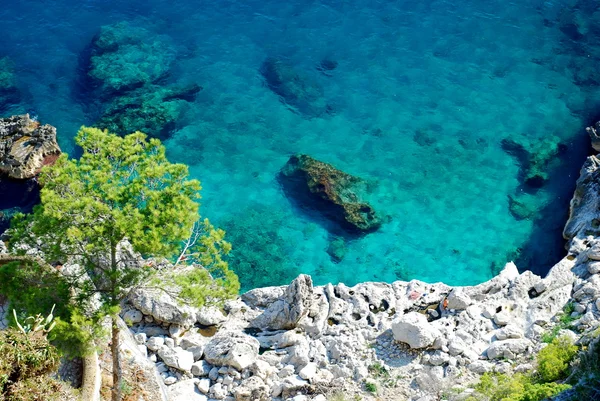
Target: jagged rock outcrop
(333, 192)
(26, 146)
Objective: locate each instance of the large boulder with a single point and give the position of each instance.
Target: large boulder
(162, 307)
(286, 312)
(232, 349)
(331, 191)
(26, 146)
(295, 89)
(414, 330)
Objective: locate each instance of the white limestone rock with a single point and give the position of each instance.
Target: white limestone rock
(162, 307)
(185, 390)
(234, 349)
(414, 329)
(508, 348)
(177, 358)
(457, 299)
(210, 316)
(252, 389)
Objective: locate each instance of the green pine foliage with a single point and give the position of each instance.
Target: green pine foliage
(122, 188)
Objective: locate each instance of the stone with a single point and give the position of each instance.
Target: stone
(508, 348)
(133, 316)
(334, 193)
(210, 316)
(286, 312)
(162, 307)
(501, 319)
(252, 389)
(201, 368)
(594, 267)
(509, 332)
(309, 371)
(140, 338)
(203, 385)
(218, 392)
(185, 390)
(232, 349)
(177, 358)
(456, 346)
(26, 146)
(594, 133)
(457, 299)
(154, 343)
(414, 329)
(439, 358)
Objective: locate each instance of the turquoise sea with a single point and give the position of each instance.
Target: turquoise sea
(423, 101)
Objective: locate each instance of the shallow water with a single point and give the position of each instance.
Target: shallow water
(422, 95)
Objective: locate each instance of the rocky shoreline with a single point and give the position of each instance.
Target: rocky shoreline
(408, 340)
(411, 340)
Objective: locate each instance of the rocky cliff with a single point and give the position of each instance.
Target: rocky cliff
(26, 146)
(415, 340)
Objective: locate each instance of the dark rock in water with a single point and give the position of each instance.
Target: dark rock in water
(125, 57)
(126, 79)
(296, 90)
(9, 93)
(331, 191)
(155, 113)
(534, 156)
(26, 146)
(326, 66)
(523, 206)
(337, 249)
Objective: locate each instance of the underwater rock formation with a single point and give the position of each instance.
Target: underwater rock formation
(295, 90)
(127, 70)
(9, 93)
(26, 146)
(534, 157)
(125, 57)
(523, 206)
(331, 191)
(155, 112)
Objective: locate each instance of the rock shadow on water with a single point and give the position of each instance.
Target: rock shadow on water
(546, 245)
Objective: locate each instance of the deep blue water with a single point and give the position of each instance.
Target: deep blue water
(420, 96)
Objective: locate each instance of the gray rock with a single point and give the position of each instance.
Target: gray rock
(162, 307)
(201, 368)
(414, 329)
(309, 371)
(177, 358)
(508, 348)
(133, 316)
(203, 385)
(286, 312)
(252, 389)
(232, 349)
(185, 390)
(457, 299)
(154, 343)
(210, 316)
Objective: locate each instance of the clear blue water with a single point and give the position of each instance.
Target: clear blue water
(423, 93)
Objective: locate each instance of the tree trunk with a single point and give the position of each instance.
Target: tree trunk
(116, 365)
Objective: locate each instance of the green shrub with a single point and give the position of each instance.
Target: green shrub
(553, 361)
(519, 387)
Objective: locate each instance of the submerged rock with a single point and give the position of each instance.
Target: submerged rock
(153, 112)
(126, 75)
(125, 57)
(26, 146)
(9, 93)
(295, 89)
(329, 190)
(534, 157)
(523, 206)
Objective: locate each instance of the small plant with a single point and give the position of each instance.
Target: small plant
(371, 387)
(36, 323)
(554, 359)
(564, 320)
(378, 370)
